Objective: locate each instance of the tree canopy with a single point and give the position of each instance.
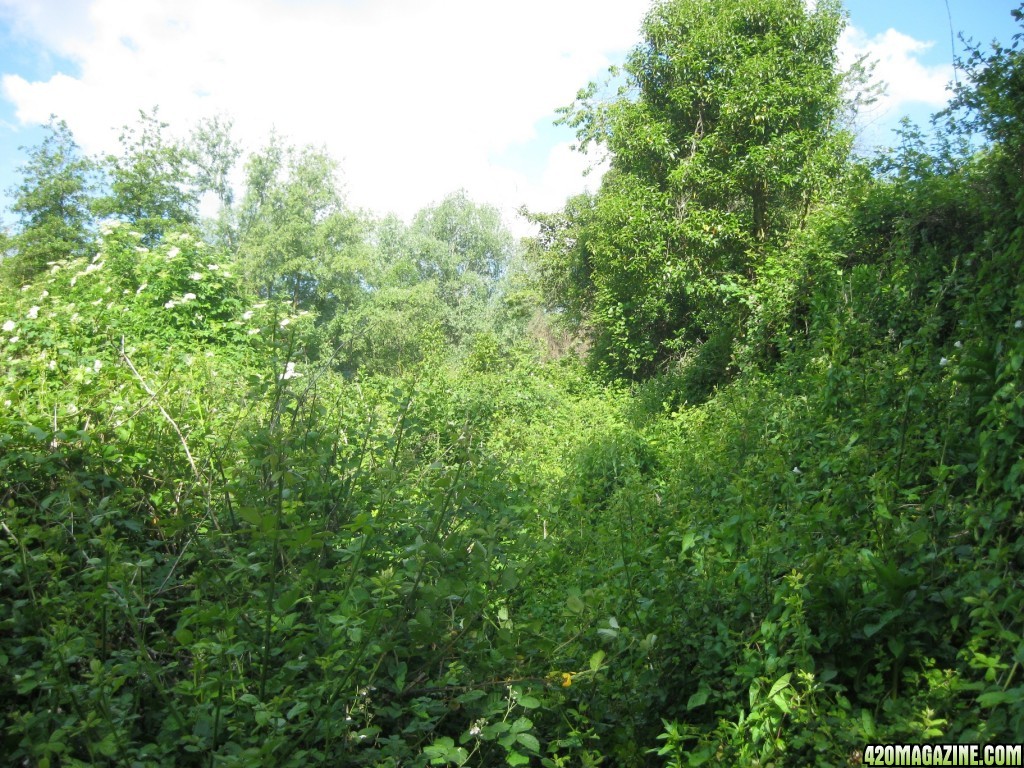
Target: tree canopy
(723, 135)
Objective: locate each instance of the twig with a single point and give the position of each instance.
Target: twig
(166, 415)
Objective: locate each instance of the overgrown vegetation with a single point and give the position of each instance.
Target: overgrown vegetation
(296, 486)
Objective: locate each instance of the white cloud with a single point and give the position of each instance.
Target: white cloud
(910, 84)
(414, 97)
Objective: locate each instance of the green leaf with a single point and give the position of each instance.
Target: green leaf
(516, 758)
(698, 699)
(595, 661)
(781, 683)
(522, 724)
(529, 741)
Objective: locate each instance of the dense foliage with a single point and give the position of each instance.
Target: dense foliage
(295, 486)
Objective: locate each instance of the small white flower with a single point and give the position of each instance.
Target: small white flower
(141, 249)
(44, 294)
(141, 288)
(188, 297)
(289, 372)
(72, 409)
(1019, 324)
(74, 280)
(33, 313)
(75, 317)
(94, 267)
(7, 403)
(97, 302)
(213, 267)
(247, 315)
(55, 268)
(9, 326)
(52, 364)
(169, 304)
(25, 287)
(958, 344)
(285, 322)
(253, 331)
(173, 251)
(97, 364)
(943, 362)
(195, 276)
(796, 471)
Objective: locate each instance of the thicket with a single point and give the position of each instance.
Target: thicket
(297, 486)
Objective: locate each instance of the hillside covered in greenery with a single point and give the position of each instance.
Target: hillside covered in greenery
(723, 467)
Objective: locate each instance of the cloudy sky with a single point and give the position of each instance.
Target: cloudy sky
(415, 98)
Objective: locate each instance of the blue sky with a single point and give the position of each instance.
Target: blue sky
(415, 98)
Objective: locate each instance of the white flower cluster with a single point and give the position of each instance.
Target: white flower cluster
(183, 300)
(289, 372)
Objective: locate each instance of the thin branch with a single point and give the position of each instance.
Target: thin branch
(166, 415)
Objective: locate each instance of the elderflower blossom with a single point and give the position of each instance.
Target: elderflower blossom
(33, 313)
(213, 267)
(141, 288)
(44, 294)
(188, 297)
(1019, 324)
(944, 362)
(173, 251)
(9, 326)
(25, 287)
(285, 321)
(195, 276)
(247, 315)
(169, 304)
(96, 365)
(958, 344)
(253, 331)
(289, 372)
(94, 267)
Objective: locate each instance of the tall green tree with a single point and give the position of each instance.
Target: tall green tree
(212, 154)
(150, 183)
(52, 203)
(464, 249)
(296, 238)
(722, 137)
